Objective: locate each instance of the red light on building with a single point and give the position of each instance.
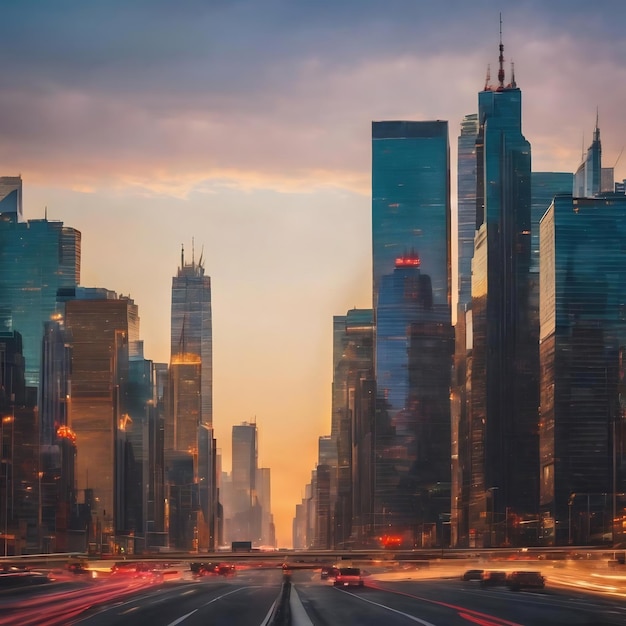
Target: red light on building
(65, 432)
(408, 261)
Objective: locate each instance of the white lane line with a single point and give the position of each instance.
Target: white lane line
(184, 617)
(299, 616)
(382, 606)
(268, 617)
(181, 619)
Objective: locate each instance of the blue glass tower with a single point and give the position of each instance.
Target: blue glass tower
(36, 259)
(583, 369)
(411, 293)
(503, 378)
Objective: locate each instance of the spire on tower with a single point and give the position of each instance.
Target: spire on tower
(501, 59)
(488, 77)
(182, 255)
(513, 83)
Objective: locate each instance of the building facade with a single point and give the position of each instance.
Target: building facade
(583, 349)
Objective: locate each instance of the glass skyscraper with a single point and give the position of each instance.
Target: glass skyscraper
(411, 294)
(411, 200)
(37, 258)
(466, 211)
(583, 368)
(503, 378)
(191, 336)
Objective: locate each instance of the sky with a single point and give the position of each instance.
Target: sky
(245, 127)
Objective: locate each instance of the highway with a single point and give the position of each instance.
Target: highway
(392, 596)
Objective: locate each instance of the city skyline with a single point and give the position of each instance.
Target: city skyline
(267, 167)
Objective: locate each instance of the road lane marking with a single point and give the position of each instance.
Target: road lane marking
(298, 612)
(477, 614)
(382, 606)
(268, 617)
(182, 618)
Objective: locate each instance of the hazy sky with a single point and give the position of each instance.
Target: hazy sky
(246, 126)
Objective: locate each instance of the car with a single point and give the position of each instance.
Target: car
(472, 574)
(328, 571)
(349, 577)
(492, 578)
(525, 580)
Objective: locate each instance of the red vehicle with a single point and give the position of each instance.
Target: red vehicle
(349, 577)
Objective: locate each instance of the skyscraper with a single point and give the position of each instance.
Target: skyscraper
(101, 326)
(191, 336)
(411, 200)
(37, 258)
(246, 514)
(466, 205)
(11, 198)
(588, 178)
(583, 369)
(503, 378)
(411, 296)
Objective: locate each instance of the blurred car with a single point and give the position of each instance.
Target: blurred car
(225, 569)
(348, 577)
(492, 578)
(204, 569)
(124, 567)
(525, 580)
(78, 566)
(328, 571)
(14, 576)
(472, 574)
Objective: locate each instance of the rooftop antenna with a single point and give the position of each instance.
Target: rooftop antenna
(46, 213)
(193, 251)
(182, 256)
(501, 59)
(513, 83)
(201, 255)
(488, 77)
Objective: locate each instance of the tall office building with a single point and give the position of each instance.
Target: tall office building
(101, 326)
(264, 492)
(504, 388)
(349, 449)
(466, 205)
(583, 369)
(191, 337)
(246, 514)
(411, 200)
(544, 186)
(36, 259)
(11, 198)
(412, 293)
(588, 177)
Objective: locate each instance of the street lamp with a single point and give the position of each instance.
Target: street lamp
(570, 502)
(40, 514)
(493, 530)
(8, 419)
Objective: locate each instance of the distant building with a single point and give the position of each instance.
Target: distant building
(348, 451)
(588, 178)
(466, 203)
(264, 494)
(191, 336)
(246, 514)
(11, 198)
